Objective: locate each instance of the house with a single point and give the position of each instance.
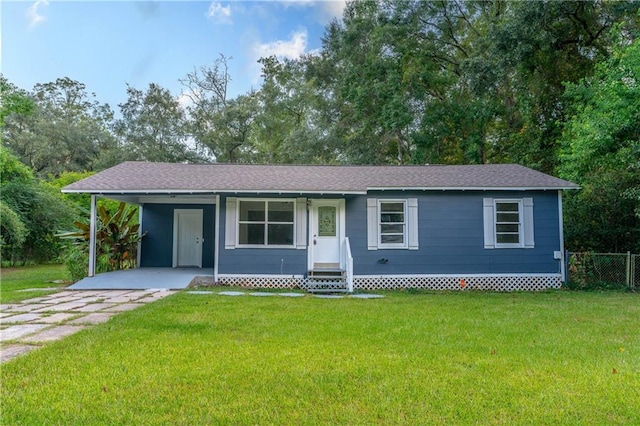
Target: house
(493, 226)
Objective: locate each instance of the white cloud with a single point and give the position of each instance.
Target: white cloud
(292, 49)
(334, 8)
(219, 14)
(327, 10)
(33, 15)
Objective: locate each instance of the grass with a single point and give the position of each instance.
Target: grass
(12, 280)
(426, 358)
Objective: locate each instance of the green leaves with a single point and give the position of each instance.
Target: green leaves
(117, 237)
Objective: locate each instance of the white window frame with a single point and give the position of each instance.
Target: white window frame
(266, 223)
(374, 210)
(405, 243)
(520, 243)
(525, 220)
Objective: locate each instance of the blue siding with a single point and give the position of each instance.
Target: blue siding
(157, 244)
(451, 239)
(258, 260)
(451, 236)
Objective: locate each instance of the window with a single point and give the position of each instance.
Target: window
(508, 223)
(266, 223)
(392, 224)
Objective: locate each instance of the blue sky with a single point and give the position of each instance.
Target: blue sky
(109, 44)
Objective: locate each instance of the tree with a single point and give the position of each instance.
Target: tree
(601, 152)
(32, 213)
(153, 127)
(219, 125)
(13, 100)
(66, 130)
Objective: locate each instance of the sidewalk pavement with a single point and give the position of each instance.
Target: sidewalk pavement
(28, 324)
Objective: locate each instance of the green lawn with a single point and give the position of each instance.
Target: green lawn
(12, 280)
(427, 358)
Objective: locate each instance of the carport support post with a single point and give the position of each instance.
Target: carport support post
(92, 238)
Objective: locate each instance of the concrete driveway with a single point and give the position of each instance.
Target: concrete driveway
(28, 324)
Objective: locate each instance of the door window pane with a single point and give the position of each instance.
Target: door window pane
(327, 221)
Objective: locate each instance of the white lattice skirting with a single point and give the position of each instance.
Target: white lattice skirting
(498, 282)
(262, 281)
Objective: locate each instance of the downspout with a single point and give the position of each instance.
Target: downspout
(92, 238)
(563, 271)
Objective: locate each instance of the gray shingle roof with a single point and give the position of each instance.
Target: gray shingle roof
(145, 177)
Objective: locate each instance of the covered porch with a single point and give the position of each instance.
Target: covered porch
(144, 279)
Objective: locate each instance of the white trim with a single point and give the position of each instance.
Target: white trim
(216, 239)
(176, 200)
(230, 224)
(301, 223)
(489, 223)
(372, 224)
(563, 271)
(92, 237)
(297, 276)
(210, 191)
(413, 225)
(527, 222)
(459, 275)
(305, 191)
(469, 188)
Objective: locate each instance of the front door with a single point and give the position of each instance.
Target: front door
(326, 233)
(187, 238)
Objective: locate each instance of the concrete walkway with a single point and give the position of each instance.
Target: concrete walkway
(28, 324)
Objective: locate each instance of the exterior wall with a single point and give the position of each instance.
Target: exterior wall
(269, 261)
(451, 238)
(157, 244)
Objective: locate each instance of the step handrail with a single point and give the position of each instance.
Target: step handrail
(348, 264)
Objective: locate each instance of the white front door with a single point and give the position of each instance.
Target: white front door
(187, 237)
(326, 233)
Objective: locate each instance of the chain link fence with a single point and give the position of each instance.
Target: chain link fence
(611, 271)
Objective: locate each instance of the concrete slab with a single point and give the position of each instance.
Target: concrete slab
(119, 299)
(18, 331)
(261, 294)
(21, 318)
(123, 307)
(35, 300)
(142, 279)
(62, 307)
(7, 306)
(291, 294)
(94, 307)
(95, 318)
(12, 351)
(54, 333)
(29, 308)
(39, 289)
(56, 318)
(65, 299)
(231, 293)
(366, 296)
(6, 314)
